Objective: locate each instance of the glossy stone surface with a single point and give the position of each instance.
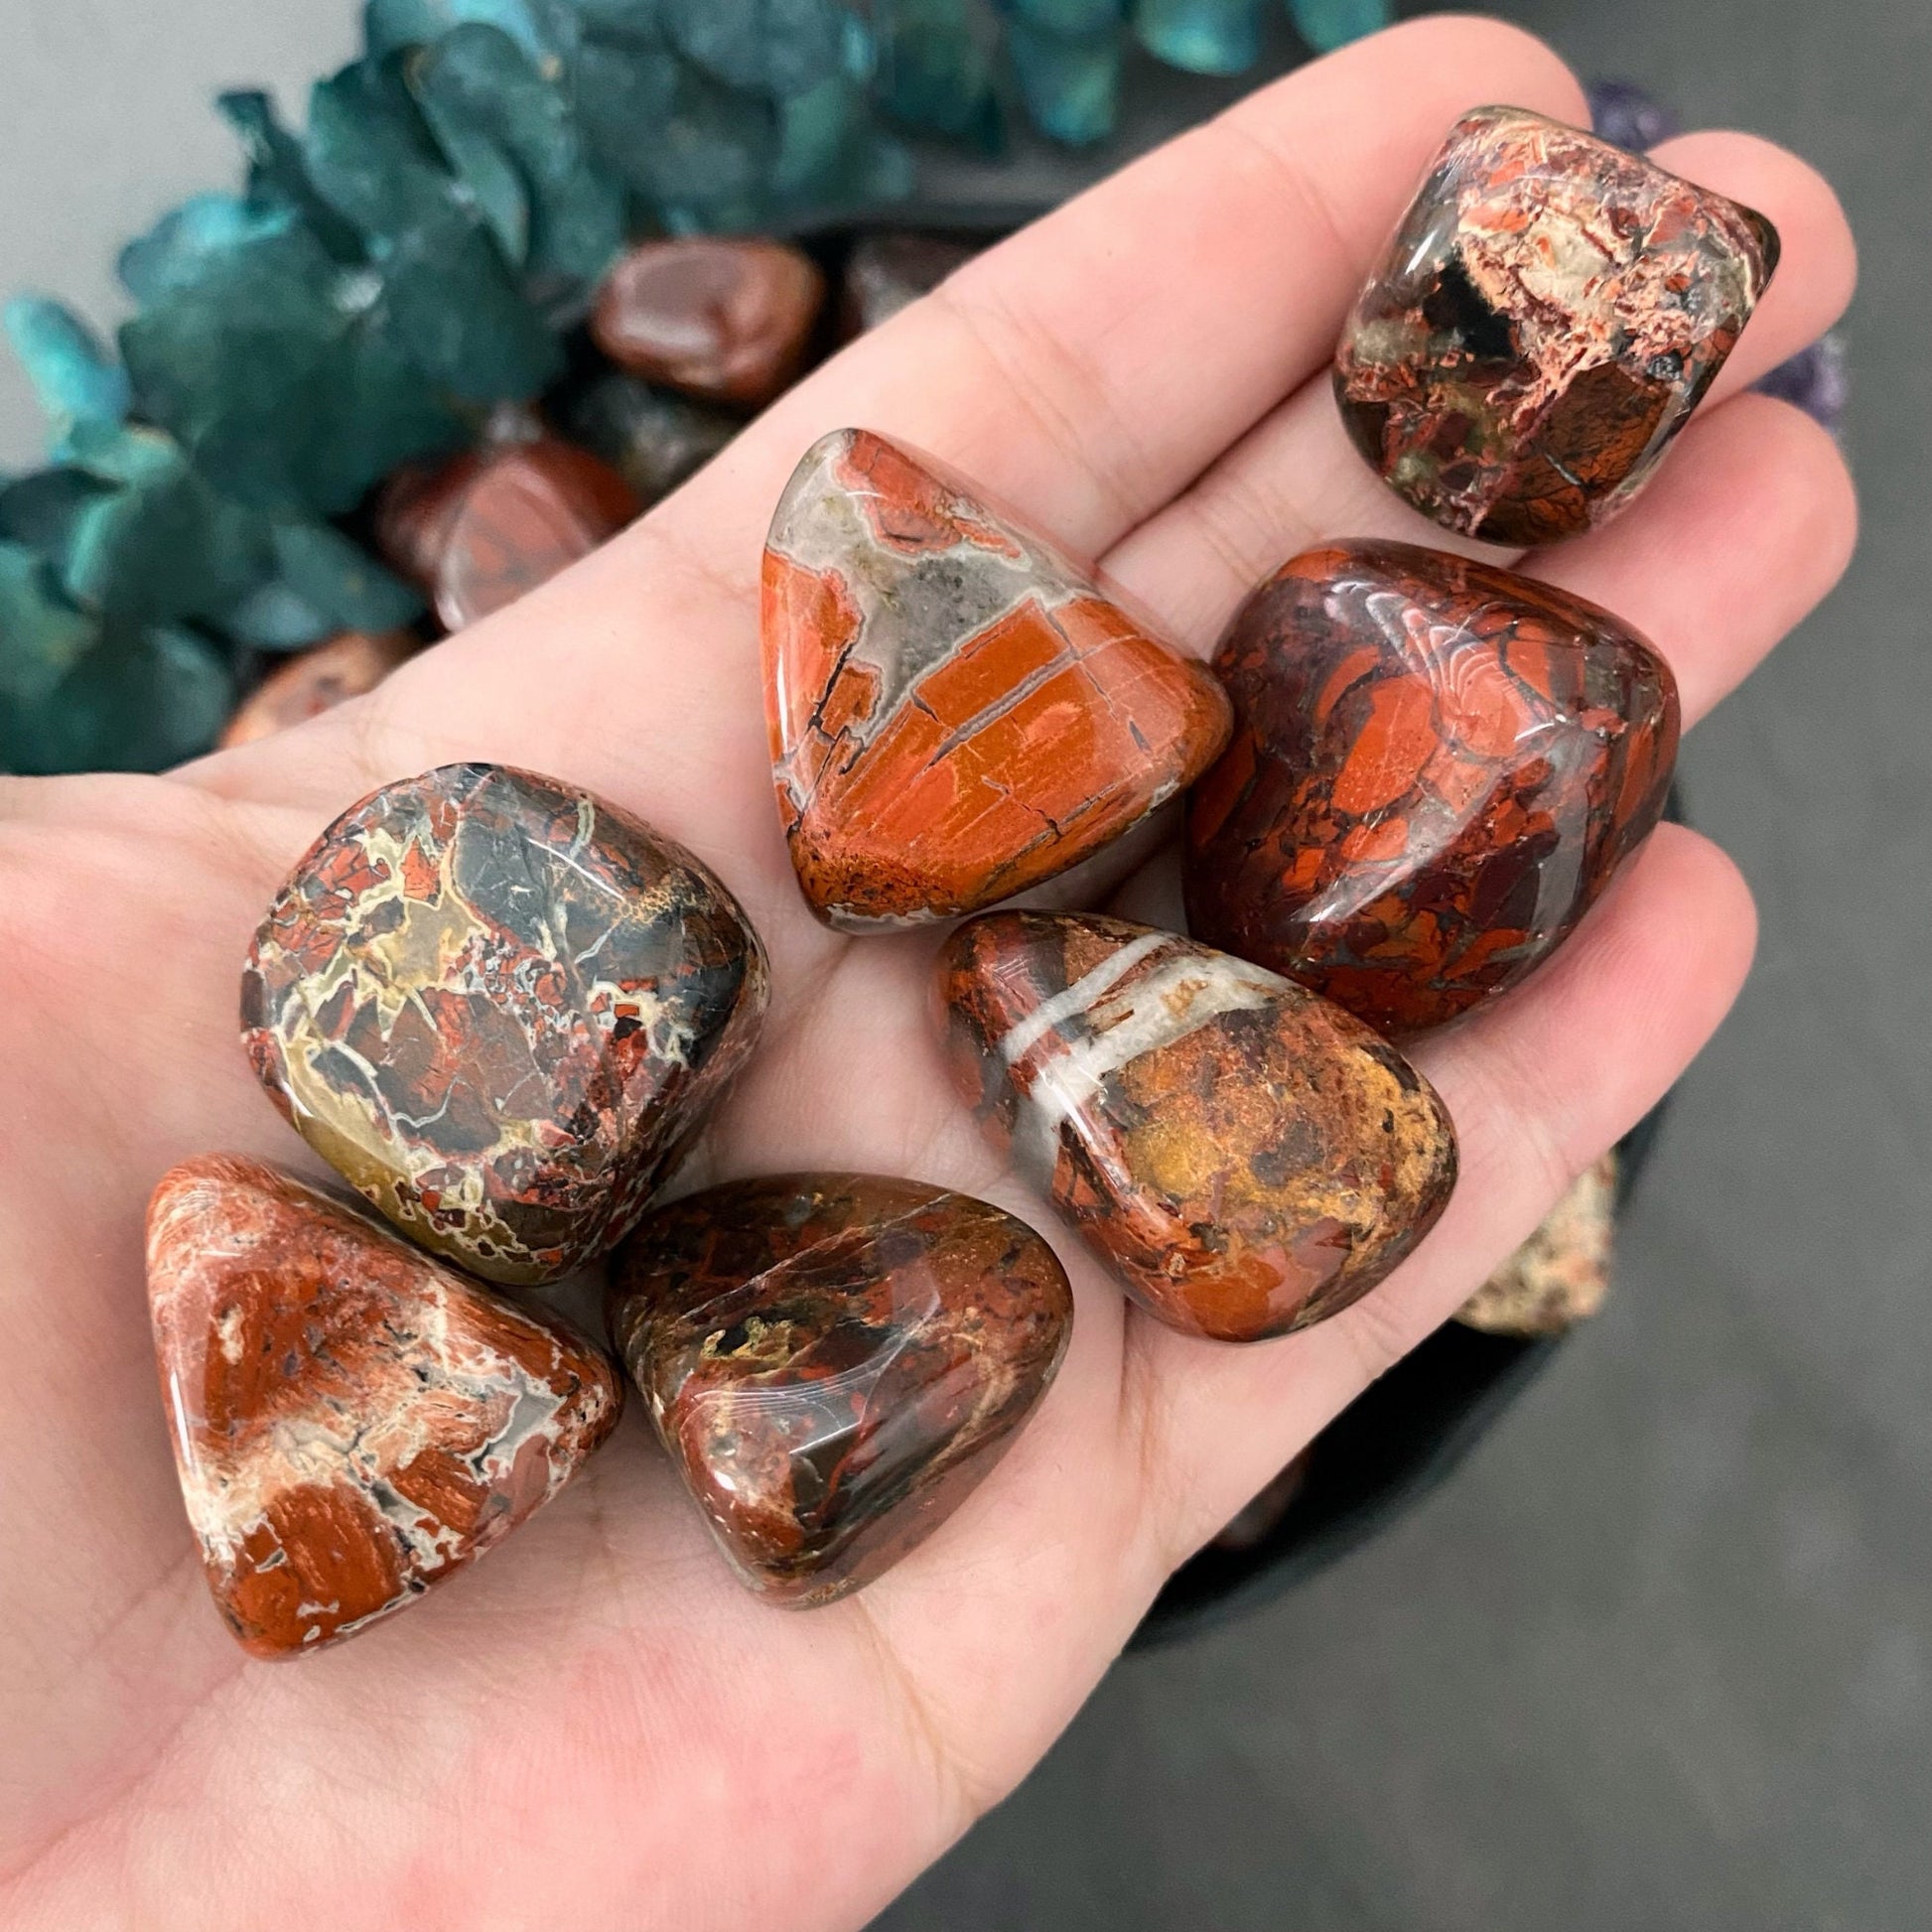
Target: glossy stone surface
(1548, 315)
(956, 712)
(721, 317)
(834, 1360)
(1561, 1274)
(654, 437)
(501, 1009)
(353, 1420)
(888, 271)
(316, 682)
(1436, 767)
(1247, 1158)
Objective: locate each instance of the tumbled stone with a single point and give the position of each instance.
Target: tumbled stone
(833, 1361)
(353, 1420)
(1247, 1158)
(1436, 767)
(956, 712)
(316, 682)
(889, 271)
(654, 437)
(1561, 1274)
(1547, 316)
(501, 1009)
(721, 317)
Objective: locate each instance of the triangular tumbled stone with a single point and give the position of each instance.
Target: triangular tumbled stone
(353, 1420)
(1245, 1156)
(834, 1360)
(956, 712)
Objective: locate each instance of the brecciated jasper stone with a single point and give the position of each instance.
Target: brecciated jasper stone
(1547, 316)
(353, 1420)
(833, 1360)
(500, 1008)
(1436, 767)
(956, 712)
(317, 680)
(721, 317)
(1247, 1158)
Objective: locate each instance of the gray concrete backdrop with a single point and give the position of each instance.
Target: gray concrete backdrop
(1661, 1658)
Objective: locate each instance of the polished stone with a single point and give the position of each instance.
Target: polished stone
(654, 439)
(316, 682)
(1244, 1155)
(352, 1421)
(1561, 1274)
(721, 317)
(834, 1360)
(501, 1009)
(1548, 315)
(890, 270)
(956, 712)
(1437, 768)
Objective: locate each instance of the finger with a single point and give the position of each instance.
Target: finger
(1742, 533)
(1296, 480)
(1538, 1087)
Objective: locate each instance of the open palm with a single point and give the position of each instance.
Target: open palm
(598, 1727)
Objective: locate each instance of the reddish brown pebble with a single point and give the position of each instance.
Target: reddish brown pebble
(834, 1361)
(352, 1421)
(717, 317)
(317, 681)
(501, 1009)
(887, 272)
(956, 712)
(1547, 316)
(1437, 768)
(1247, 1158)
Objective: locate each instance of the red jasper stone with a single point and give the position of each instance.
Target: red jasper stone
(1436, 767)
(501, 1009)
(889, 271)
(316, 682)
(833, 1361)
(1548, 315)
(1245, 1157)
(353, 1420)
(956, 712)
(492, 525)
(721, 317)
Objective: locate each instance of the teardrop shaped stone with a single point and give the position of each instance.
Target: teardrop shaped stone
(1438, 766)
(833, 1361)
(501, 1009)
(352, 1421)
(1246, 1157)
(956, 712)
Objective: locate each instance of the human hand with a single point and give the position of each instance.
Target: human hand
(598, 1727)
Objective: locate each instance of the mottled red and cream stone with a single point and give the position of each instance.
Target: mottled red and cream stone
(500, 1008)
(956, 712)
(833, 1361)
(353, 1420)
(1247, 1158)
(1562, 1273)
(1437, 768)
(1548, 315)
(725, 317)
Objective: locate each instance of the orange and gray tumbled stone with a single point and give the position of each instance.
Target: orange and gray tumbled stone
(956, 712)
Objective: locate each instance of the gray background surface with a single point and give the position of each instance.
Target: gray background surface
(1661, 1657)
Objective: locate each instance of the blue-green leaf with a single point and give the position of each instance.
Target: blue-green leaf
(42, 634)
(771, 47)
(1200, 36)
(75, 376)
